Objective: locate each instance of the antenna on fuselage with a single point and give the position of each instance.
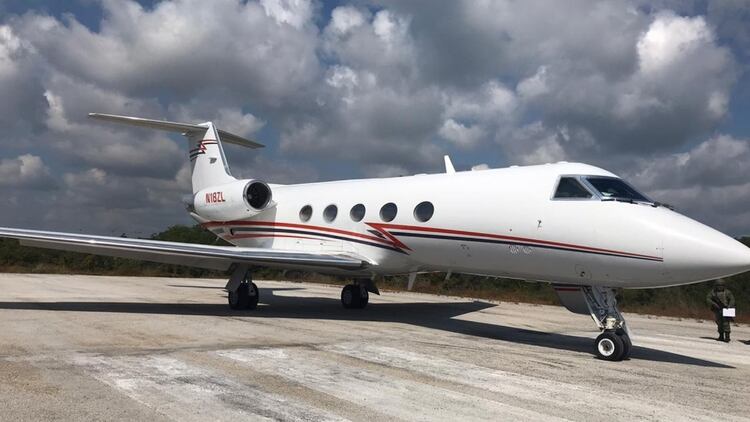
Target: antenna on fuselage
(449, 169)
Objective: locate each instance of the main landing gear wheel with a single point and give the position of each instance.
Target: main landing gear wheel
(245, 297)
(354, 297)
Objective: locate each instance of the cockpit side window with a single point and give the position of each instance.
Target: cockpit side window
(613, 188)
(570, 187)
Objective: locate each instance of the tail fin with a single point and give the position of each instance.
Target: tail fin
(209, 165)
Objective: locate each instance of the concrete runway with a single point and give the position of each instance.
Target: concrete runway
(120, 348)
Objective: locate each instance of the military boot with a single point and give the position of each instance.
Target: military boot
(721, 336)
(726, 337)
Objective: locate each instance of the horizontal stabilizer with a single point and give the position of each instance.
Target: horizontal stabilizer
(175, 127)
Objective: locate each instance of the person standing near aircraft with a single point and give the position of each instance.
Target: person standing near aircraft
(718, 299)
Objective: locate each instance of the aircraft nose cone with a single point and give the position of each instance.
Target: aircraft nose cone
(730, 255)
(698, 252)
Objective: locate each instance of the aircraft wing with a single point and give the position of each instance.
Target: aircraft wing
(188, 254)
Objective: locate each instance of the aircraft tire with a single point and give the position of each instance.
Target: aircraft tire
(349, 297)
(246, 297)
(364, 298)
(253, 295)
(627, 345)
(609, 346)
(233, 300)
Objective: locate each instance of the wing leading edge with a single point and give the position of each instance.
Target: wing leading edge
(191, 255)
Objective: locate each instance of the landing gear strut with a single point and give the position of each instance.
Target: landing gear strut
(243, 293)
(614, 342)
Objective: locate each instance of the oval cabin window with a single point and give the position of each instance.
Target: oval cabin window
(305, 213)
(388, 212)
(423, 212)
(357, 213)
(330, 213)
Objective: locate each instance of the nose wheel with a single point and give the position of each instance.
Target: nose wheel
(354, 296)
(613, 345)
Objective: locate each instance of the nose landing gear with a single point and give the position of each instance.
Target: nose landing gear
(613, 343)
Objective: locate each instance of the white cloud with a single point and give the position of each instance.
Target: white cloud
(719, 161)
(490, 102)
(534, 85)
(671, 38)
(25, 171)
(345, 18)
(390, 28)
(293, 12)
(9, 47)
(536, 144)
(186, 46)
(462, 136)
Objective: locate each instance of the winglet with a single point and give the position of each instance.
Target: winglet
(449, 169)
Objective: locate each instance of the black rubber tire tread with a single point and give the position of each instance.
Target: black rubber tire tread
(627, 345)
(243, 296)
(252, 301)
(348, 291)
(232, 301)
(365, 299)
(616, 340)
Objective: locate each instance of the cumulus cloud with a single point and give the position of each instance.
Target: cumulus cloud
(717, 162)
(461, 135)
(184, 47)
(709, 181)
(25, 171)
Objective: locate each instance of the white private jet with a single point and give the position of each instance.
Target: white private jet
(579, 227)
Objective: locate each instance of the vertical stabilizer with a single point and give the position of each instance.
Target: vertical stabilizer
(208, 163)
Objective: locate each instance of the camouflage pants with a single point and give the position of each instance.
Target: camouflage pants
(723, 324)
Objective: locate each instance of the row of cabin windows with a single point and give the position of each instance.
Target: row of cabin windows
(422, 212)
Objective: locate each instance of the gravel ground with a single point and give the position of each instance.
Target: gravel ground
(124, 348)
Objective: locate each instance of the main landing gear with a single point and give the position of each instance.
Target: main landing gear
(357, 294)
(614, 342)
(243, 293)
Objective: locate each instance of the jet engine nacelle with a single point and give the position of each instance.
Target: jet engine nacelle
(233, 201)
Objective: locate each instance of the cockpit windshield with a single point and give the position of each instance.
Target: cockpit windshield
(615, 189)
(570, 188)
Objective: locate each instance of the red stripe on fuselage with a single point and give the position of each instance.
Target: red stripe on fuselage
(383, 227)
(393, 241)
(297, 226)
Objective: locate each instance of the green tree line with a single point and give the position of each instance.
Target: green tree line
(682, 301)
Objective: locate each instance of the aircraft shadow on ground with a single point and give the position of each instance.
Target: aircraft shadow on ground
(438, 316)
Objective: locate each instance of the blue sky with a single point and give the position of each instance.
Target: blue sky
(656, 91)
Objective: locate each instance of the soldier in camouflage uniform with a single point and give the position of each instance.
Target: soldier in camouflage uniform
(718, 299)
